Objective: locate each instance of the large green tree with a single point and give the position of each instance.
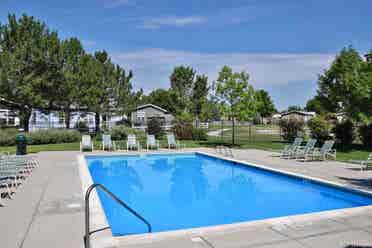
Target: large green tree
(182, 80)
(29, 64)
(236, 95)
(70, 89)
(199, 95)
(125, 100)
(316, 104)
(342, 87)
(167, 99)
(98, 75)
(265, 106)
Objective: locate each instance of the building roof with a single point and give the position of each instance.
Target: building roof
(304, 113)
(152, 106)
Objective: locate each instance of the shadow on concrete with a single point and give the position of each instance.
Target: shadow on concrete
(360, 182)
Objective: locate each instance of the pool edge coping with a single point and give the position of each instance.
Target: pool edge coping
(151, 237)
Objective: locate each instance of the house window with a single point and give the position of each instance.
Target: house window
(11, 121)
(61, 118)
(141, 116)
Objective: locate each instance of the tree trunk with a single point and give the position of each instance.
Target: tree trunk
(97, 123)
(67, 118)
(233, 131)
(25, 115)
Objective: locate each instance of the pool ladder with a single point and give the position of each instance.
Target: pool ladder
(224, 150)
(114, 197)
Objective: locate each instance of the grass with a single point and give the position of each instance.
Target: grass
(42, 148)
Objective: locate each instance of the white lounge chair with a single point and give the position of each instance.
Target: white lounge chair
(364, 163)
(303, 151)
(290, 149)
(107, 143)
(325, 151)
(172, 143)
(86, 143)
(152, 142)
(132, 143)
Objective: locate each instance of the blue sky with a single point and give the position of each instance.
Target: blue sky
(283, 44)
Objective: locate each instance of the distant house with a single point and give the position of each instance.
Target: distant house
(144, 113)
(275, 118)
(8, 118)
(55, 119)
(299, 115)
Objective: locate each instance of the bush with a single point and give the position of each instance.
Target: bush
(199, 134)
(365, 133)
(344, 132)
(291, 128)
(50, 136)
(81, 126)
(182, 129)
(320, 129)
(7, 137)
(154, 127)
(121, 132)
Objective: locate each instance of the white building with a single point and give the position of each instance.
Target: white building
(299, 115)
(8, 118)
(55, 119)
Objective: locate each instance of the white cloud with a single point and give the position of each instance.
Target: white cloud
(174, 21)
(152, 67)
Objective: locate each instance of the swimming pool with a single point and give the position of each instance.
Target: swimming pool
(178, 191)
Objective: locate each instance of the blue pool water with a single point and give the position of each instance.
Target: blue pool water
(194, 190)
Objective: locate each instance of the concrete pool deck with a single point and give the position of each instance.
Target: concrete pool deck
(48, 212)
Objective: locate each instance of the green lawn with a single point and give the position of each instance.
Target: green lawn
(49, 147)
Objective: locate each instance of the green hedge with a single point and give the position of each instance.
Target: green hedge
(50, 136)
(7, 137)
(53, 136)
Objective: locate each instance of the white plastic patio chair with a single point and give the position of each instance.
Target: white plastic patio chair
(86, 143)
(107, 143)
(364, 163)
(290, 149)
(132, 142)
(325, 151)
(172, 143)
(152, 142)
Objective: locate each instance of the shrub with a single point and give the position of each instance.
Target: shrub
(365, 133)
(320, 129)
(154, 127)
(81, 126)
(52, 136)
(121, 132)
(199, 134)
(291, 128)
(344, 132)
(7, 137)
(182, 129)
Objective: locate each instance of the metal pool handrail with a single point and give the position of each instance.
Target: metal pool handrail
(109, 193)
